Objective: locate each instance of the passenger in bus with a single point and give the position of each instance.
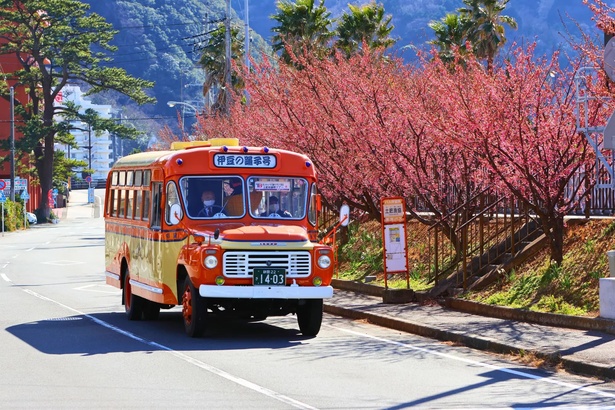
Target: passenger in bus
(209, 205)
(274, 209)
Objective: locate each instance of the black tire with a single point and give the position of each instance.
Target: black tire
(133, 304)
(309, 316)
(151, 310)
(194, 309)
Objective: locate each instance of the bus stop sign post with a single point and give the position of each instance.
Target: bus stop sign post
(393, 211)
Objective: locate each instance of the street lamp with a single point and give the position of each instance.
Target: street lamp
(183, 104)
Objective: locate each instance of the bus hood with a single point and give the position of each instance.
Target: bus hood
(265, 233)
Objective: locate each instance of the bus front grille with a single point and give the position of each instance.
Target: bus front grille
(242, 264)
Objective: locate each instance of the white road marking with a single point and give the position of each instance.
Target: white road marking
(87, 288)
(481, 364)
(214, 370)
(6, 278)
(63, 263)
(31, 249)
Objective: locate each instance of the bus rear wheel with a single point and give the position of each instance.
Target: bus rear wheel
(194, 310)
(133, 304)
(309, 316)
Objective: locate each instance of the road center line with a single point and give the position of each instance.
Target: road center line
(476, 363)
(214, 370)
(6, 278)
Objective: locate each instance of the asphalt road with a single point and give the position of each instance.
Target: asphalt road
(66, 344)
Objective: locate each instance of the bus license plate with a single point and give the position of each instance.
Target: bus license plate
(269, 277)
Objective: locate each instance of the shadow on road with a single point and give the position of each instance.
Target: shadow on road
(112, 333)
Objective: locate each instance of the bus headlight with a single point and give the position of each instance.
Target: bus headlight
(211, 261)
(324, 261)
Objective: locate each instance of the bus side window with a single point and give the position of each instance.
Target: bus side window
(156, 204)
(138, 199)
(121, 203)
(146, 196)
(111, 208)
(130, 203)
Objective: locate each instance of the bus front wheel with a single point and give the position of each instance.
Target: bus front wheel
(194, 310)
(133, 304)
(309, 316)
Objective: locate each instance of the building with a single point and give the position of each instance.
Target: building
(94, 147)
(8, 64)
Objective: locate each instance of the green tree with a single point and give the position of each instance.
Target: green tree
(213, 62)
(304, 27)
(450, 34)
(486, 32)
(56, 42)
(364, 24)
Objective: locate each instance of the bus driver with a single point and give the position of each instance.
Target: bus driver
(209, 205)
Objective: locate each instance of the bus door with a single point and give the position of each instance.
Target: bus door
(155, 232)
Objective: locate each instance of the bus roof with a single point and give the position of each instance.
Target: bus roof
(141, 159)
(191, 160)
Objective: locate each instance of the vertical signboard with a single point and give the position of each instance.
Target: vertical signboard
(394, 236)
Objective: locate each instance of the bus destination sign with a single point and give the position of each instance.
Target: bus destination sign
(244, 161)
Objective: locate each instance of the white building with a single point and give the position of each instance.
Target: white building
(95, 148)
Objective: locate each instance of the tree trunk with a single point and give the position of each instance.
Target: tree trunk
(44, 166)
(555, 233)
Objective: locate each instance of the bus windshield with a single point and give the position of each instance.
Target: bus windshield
(213, 197)
(279, 197)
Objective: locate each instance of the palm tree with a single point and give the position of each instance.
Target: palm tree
(487, 32)
(213, 62)
(450, 33)
(364, 24)
(303, 26)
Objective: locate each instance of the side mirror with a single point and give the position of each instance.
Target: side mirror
(344, 215)
(176, 214)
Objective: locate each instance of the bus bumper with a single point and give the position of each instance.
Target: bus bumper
(266, 292)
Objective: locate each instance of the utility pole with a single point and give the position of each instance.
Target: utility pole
(90, 147)
(12, 99)
(227, 66)
(247, 36)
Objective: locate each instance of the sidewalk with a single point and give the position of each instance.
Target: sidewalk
(77, 206)
(587, 352)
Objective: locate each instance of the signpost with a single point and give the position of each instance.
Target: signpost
(25, 196)
(394, 237)
(2, 200)
(88, 179)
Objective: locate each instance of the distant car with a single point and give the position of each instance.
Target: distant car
(31, 218)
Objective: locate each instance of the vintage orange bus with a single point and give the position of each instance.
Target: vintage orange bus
(218, 229)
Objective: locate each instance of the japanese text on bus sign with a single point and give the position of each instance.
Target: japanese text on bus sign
(272, 186)
(244, 161)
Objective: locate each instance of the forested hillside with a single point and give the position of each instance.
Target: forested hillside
(159, 40)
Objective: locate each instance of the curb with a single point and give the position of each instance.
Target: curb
(500, 312)
(548, 319)
(474, 342)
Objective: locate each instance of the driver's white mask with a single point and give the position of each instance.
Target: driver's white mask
(275, 207)
(209, 202)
